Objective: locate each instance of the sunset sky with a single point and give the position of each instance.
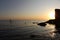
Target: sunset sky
(27, 9)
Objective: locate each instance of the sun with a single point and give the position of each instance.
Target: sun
(52, 15)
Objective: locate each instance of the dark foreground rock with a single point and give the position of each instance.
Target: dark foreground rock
(42, 24)
(51, 21)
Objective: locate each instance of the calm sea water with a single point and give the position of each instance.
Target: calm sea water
(23, 30)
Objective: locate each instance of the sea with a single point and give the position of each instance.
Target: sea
(27, 30)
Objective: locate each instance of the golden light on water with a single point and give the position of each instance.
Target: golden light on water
(52, 15)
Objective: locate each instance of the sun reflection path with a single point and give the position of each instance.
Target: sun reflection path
(51, 29)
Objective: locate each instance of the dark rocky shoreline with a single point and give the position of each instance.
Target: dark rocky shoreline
(51, 21)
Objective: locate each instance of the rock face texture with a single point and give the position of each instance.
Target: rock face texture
(57, 19)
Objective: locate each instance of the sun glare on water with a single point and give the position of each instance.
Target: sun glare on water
(52, 15)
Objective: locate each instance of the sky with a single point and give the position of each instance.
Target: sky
(27, 9)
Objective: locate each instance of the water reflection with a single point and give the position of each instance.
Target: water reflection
(29, 29)
(53, 32)
(51, 29)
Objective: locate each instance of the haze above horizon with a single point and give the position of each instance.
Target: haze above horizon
(28, 9)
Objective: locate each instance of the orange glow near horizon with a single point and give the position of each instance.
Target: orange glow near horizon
(25, 18)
